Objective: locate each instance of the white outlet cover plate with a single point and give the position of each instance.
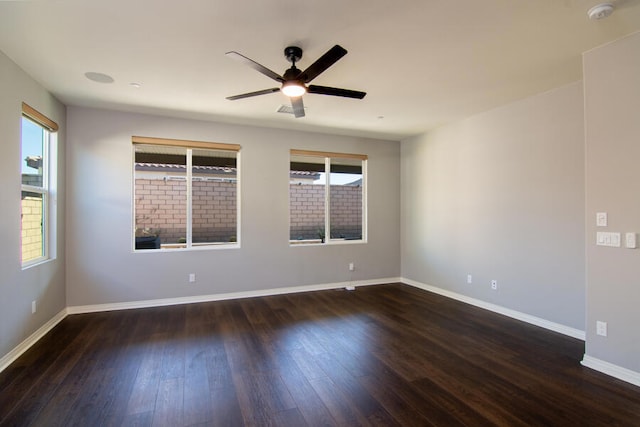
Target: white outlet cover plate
(601, 328)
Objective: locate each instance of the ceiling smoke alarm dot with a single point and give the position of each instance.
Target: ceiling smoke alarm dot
(600, 11)
(98, 77)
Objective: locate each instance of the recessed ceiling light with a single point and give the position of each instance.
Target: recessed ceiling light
(136, 85)
(600, 11)
(98, 77)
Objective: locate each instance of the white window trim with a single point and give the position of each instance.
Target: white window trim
(189, 145)
(49, 185)
(328, 241)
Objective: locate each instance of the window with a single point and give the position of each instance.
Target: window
(37, 167)
(185, 194)
(327, 192)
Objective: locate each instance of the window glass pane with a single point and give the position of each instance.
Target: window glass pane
(38, 154)
(33, 140)
(214, 195)
(32, 226)
(307, 199)
(345, 203)
(160, 196)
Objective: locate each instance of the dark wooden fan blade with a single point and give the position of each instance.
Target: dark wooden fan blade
(324, 62)
(253, 64)
(334, 91)
(256, 93)
(298, 106)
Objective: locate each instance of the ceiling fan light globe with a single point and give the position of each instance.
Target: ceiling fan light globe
(293, 89)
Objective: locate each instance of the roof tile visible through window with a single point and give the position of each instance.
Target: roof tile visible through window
(158, 167)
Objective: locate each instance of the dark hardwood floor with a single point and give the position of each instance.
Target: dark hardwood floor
(381, 355)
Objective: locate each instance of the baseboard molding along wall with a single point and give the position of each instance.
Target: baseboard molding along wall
(10, 357)
(612, 370)
(588, 361)
(552, 326)
(226, 296)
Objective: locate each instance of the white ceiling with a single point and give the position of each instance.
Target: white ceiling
(422, 62)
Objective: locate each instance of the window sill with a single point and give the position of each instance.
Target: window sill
(181, 247)
(332, 242)
(36, 262)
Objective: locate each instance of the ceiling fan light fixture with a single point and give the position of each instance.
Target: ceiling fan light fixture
(293, 89)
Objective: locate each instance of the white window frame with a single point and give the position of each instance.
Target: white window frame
(189, 146)
(49, 182)
(327, 197)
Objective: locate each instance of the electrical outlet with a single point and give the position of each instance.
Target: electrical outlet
(192, 277)
(601, 328)
(469, 278)
(494, 285)
(33, 307)
(351, 266)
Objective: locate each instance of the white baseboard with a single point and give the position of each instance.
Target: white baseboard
(610, 369)
(556, 327)
(226, 296)
(7, 359)
(10, 357)
(23, 346)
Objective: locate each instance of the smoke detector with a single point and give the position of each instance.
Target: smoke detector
(600, 11)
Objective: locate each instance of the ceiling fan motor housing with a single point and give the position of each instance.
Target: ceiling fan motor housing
(291, 74)
(293, 54)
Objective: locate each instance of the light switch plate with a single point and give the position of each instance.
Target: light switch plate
(601, 219)
(630, 240)
(615, 239)
(604, 238)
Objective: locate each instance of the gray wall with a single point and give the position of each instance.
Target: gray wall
(44, 283)
(101, 267)
(500, 195)
(612, 93)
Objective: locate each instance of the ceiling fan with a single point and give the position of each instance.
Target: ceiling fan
(294, 81)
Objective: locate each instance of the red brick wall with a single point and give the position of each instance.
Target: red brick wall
(346, 212)
(161, 208)
(31, 214)
(214, 214)
(307, 211)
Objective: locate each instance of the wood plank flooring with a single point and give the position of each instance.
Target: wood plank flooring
(388, 355)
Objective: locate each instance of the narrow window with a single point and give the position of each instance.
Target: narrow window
(185, 194)
(327, 197)
(37, 168)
